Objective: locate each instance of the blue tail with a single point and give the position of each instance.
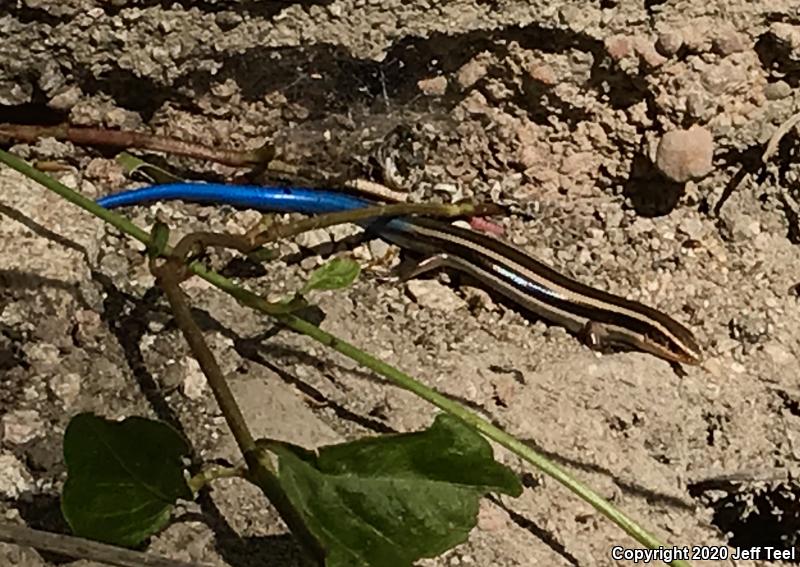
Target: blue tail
(277, 199)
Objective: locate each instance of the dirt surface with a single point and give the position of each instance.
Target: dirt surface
(628, 136)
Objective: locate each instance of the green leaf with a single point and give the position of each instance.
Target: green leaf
(154, 174)
(123, 477)
(336, 274)
(159, 237)
(395, 499)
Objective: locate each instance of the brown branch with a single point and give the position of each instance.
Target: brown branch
(80, 548)
(129, 139)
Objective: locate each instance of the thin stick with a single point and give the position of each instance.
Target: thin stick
(783, 129)
(370, 188)
(772, 146)
(130, 139)
(80, 548)
(377, 190)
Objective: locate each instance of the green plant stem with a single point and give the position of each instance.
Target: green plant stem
(395, 376)
(168, 278)
(212, 473)
(261, 470)
(75, 198)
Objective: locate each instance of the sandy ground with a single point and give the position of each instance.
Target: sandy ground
(563, 109)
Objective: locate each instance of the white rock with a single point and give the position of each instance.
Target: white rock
(21, 426)
(194, 381)
(66, 387)
(779, 355)
(432, 294)
(313, 238)
(14, 477)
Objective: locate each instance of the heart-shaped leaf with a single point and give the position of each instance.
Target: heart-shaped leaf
(395, 499)
(123, 477)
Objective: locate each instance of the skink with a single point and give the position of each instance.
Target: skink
(603, 319)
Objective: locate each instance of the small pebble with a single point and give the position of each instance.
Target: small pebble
(341, 231)
(313, 238)
(618, 47)
(309, 263)
(779, 355)
(543, 73)
(692, 227)
(66, 98)
(741, 227)
(668, 43)
(435, 86)
(43, 353)
(647, 52)
(787, 35)
(14, 477)
(730, 41)
(697, 104)
(722, 78)
(194, 381)
(122, 118)
(470, 73)
(685, 154)
(378, 249)
(777, 90)
(613, 218)
(433, 295)
(66, 387)
(171, 376)
(478, 298)
(528, 156)
(475, 103)
(228, 19)
(21, 426)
